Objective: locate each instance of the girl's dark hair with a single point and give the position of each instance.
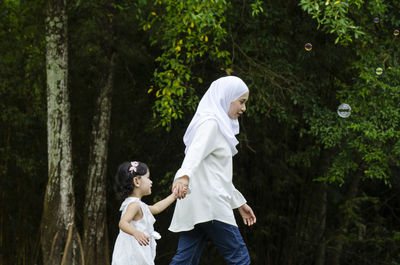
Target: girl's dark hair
(123, 179)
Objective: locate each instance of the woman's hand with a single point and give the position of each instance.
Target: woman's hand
(141, 237)
(247, 214)
(180, 187)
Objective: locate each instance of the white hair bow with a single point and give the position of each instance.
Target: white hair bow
(133, 167)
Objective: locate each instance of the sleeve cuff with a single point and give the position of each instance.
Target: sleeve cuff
(237, 200)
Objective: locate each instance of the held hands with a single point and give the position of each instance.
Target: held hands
(180, 187)
(247, 214)
(142, 238)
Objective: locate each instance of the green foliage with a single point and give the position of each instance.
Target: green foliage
(366, 141)
(186, 32)
(257, 7)
(23, 130)
(332, 15)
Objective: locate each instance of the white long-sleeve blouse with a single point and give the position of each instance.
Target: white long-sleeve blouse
(212, 195)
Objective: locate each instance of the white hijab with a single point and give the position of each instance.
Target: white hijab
(215, 105)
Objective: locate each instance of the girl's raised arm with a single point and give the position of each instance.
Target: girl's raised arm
(162, 205)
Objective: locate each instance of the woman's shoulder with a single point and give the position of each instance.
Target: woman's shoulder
(209, 124)
(208, 129)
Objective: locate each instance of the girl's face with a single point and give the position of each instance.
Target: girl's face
(145, 183)
(238, 107)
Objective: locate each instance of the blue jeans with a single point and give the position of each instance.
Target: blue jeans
(225, 237)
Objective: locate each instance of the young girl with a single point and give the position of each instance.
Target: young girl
(204, 182)
(135, 244)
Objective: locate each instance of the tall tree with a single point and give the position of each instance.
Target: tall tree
(59, 237)
(95, 232)
(95, 237)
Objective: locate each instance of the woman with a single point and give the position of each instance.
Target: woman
(204, 182)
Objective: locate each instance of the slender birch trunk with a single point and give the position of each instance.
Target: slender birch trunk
(95, 238)
(59, 239)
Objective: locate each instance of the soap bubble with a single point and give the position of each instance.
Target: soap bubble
(396, 32)
(376, 20)
(344, 110)
(308, 47)
(379, 71)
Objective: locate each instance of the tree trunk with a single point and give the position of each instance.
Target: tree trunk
(321, 250)
(59, 238)
(351, 194)
(95, 240)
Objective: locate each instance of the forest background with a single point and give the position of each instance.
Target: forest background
(86, 85)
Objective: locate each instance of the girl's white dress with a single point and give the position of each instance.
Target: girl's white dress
(127, 250)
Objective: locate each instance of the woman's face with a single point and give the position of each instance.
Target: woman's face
(238, 107)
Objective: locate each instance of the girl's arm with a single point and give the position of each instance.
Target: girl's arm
(124, 224)
(162, 205)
